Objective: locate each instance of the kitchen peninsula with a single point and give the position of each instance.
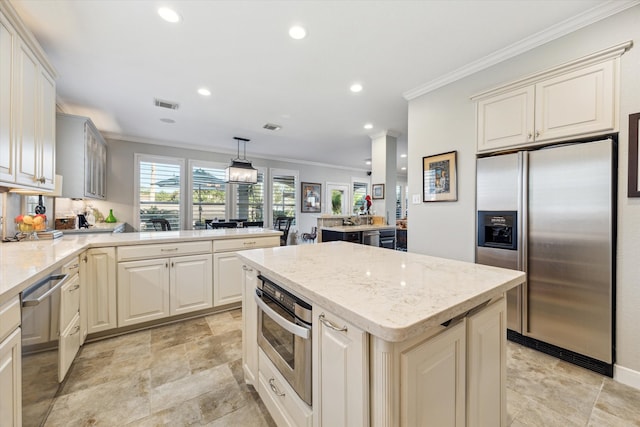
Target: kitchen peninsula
(397, 338)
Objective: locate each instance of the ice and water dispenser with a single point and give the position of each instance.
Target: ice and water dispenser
(498, 229)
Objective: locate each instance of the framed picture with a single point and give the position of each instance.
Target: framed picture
(311, 197)
(634, 155)
(377, 191)
(440, 178)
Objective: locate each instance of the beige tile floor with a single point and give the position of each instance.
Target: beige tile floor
(189, 373)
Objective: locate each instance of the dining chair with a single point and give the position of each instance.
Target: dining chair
(283, 223)
(161, 224)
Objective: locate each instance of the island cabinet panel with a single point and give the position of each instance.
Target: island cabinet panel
(143, 291)
(341, 372)
(432, 378)
(10, 380)
(101, 289)
(249, 326)
(486, 366)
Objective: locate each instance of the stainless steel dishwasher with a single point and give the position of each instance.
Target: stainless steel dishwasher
(371, 238)
(40, 343)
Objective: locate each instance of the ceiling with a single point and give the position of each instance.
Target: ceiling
(115, 57)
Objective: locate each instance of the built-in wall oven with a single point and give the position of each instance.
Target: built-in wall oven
(284, 334)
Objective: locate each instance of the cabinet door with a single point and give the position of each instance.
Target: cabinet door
(7, 147)
(69, 346)
(227, 278)
(578, 103)
(506, 120)
(69, 301)
(25, 114)
(84, 317)
(341, 395)
(46, 131)
(432, 380)
(101, 289)
(486, 352)
(143, 291)
(190, 283)
(100, 177)
(250, 326)
(90, 161)
(11, 381)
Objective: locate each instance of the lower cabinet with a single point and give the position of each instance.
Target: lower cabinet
(10, 364)
(249, 326)
(101, 289)
(69, 346)
(157, 288)
(341, 380)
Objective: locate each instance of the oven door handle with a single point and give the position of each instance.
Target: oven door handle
(290, 327)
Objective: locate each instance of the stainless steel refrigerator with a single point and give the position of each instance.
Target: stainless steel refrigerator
(551, 213)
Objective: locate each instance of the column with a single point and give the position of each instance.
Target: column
(384, 171)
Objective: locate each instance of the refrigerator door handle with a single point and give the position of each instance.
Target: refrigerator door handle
(523, 233)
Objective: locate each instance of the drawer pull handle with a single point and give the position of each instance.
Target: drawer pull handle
(330, 324)
(75, 330)
(74, 266)
(274, 388)
(75, 288)
(249, 243)
(169, 250)
(245, 268)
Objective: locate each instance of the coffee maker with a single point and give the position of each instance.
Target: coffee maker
(82, 221)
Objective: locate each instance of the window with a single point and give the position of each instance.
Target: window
(359, 193)
(158, 191)
(249, 200)
(208, 193)
(283, 194)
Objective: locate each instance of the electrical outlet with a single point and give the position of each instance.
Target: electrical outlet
(415, 199)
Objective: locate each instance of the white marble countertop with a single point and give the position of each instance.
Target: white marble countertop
(392, 295)
(348, 228)
(23, 263)
(99, 227)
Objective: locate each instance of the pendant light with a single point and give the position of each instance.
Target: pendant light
(241, 171)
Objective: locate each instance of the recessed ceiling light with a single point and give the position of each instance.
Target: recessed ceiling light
(356, 87)
(367, 162)
(170, 121)
(404, 168)
(403, 155)
(368, 126)
(297, 32)
(169, 15)
(204, 91)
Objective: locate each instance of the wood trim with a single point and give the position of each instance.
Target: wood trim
(633, 189)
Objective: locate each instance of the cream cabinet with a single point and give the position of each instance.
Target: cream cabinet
(249, 326)
(8, 40)
(341, 372)
(486, 366)
(575, 100)
(101, 289)
(81, 157)
(84, 317)
(10, 366)
(227, 268)
(151, 287)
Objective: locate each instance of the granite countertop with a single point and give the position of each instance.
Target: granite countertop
(23, 263)
(390, 294)
(348, 228)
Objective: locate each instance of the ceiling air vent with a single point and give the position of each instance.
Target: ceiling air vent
(166, 104)
(271, 126)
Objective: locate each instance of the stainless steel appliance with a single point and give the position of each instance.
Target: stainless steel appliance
(284, 334)
(551, 212)
(371, 237)
(40, 347)
(388, 238)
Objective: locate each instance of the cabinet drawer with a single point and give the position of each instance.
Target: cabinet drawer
(69, 346)
(248, 243)
(9, 317)
(69, 301)
(128, 253)
(285, 406)
(72, 267)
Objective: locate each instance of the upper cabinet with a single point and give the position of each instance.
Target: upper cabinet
(80, 144)
(574, 100)
(27, 108)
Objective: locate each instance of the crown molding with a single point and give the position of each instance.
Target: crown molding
(388, 132)
(570, 25)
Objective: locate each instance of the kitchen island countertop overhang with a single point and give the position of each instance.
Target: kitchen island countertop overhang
(25, 262)
(392, 295)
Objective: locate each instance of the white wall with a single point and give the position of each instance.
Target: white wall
(120, 176)
(444, 120)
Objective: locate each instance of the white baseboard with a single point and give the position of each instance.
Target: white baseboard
(626, 376)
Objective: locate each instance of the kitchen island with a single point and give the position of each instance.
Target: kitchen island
(397, 338)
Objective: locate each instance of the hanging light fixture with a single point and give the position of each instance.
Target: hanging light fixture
(241, 171)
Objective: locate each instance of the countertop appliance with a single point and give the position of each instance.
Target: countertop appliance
(40, 347)
(551, 213)
(284, 334)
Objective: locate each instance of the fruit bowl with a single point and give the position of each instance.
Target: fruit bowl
(31, 223)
